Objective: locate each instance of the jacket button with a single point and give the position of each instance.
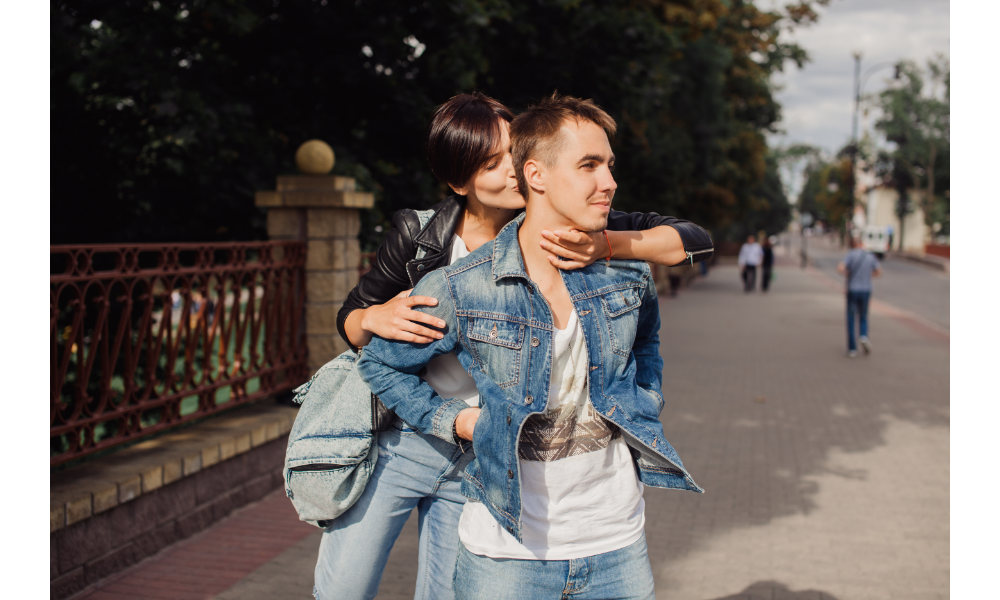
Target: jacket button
(534, 342)
(508, 419)
(420, 267)
(510, 474)
(529, 400)
(510, 530)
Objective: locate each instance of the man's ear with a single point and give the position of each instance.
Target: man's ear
(534, 175)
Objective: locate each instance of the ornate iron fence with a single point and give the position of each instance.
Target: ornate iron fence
(148, 336)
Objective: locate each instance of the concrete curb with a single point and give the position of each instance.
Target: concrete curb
(937, 262)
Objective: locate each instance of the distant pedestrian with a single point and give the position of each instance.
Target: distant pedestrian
(859, 266)
(766, 263)
(751, 255)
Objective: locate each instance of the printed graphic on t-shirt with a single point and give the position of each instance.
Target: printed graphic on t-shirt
(558, 433)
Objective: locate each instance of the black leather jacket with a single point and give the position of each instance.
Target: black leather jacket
(396, 267)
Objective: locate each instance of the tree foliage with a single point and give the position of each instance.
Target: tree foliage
(915, 118)
(166, 117)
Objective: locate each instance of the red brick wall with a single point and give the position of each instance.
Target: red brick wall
(938, 250)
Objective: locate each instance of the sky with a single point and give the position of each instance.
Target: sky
(817, 100)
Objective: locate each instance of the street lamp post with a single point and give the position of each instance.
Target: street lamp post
(859, 86)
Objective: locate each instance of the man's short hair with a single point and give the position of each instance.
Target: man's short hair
(534, 134)
(464, 135)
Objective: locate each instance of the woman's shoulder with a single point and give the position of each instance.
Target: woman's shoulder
(412, 221)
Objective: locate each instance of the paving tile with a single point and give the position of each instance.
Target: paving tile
(820, 492)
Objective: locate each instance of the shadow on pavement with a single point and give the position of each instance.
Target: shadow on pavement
(772, 590)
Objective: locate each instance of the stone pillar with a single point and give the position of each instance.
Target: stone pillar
(323, 211)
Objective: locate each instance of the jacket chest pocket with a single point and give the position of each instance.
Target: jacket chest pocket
(621, 312)
(497, 346)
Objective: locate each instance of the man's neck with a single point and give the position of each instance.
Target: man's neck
(536, 262)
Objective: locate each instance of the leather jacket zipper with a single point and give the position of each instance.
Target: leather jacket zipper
(690, 254)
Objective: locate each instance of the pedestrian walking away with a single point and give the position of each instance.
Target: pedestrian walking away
(751, 255)
(859, 267)
(417, 467)
(767, 263)
(555, 486)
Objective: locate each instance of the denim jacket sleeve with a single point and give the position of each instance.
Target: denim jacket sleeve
(646, 348)
(390, 368)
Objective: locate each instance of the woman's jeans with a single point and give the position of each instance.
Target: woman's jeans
(857, 303)
(412, 471)
(623, 573)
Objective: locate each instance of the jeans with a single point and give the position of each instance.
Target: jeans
(749, 277)
(413, 471)
(623, 573)
(857, 303)
(765, 278)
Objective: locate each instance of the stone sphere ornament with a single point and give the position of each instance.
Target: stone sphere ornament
(314, 157)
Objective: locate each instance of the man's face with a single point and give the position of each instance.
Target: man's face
(751, 239)
(579, 185)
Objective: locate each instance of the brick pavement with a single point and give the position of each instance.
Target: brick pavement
(826, 477)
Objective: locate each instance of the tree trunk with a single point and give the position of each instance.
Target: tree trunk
(929, 200)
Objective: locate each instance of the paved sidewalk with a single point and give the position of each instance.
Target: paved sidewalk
(826, 477)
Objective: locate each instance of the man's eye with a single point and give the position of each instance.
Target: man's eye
(611, 167)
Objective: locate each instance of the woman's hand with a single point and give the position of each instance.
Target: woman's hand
(579, 248)
(465, 422)
(396, 320)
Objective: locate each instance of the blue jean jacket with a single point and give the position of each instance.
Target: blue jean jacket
(500, 327)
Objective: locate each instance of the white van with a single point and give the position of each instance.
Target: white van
(875, 239)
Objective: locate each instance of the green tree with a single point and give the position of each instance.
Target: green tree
(167, 117)
(915, 118)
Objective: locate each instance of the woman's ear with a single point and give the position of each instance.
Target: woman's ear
(534, 176)
(461, 190)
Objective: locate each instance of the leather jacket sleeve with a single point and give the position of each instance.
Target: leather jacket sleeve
(697, 242)
(388, 273)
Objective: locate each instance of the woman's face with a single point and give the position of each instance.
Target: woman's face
(494, 185)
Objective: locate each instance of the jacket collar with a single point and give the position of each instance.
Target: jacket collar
(437, 234)
(507, 259)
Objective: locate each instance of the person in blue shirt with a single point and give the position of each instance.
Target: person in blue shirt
(859, 266)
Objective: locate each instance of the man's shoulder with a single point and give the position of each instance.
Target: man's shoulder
(615, 272)
(472, 263)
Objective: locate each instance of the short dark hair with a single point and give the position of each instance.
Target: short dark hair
(464, 135)
(535, 132)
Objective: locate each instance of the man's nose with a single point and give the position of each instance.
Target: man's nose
(607, 182)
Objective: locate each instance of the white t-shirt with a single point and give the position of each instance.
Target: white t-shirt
(580, 495)
(444, 373)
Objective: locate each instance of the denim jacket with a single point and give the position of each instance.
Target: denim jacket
(500, 327)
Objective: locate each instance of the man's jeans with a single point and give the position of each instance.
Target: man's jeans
(857, 303)
(623, 573)
(749, 277)
(413, 471)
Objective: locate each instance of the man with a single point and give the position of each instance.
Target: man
(767, 263)
(751, 255)
(859, 266)
(568, 369)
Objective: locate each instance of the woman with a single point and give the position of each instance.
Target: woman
(468, 149)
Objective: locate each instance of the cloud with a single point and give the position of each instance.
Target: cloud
(817, 100)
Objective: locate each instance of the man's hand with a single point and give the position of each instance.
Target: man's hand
(579, 248)
(465, 422)
(396, 320)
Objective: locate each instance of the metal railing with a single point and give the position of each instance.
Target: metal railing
(147, 336)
